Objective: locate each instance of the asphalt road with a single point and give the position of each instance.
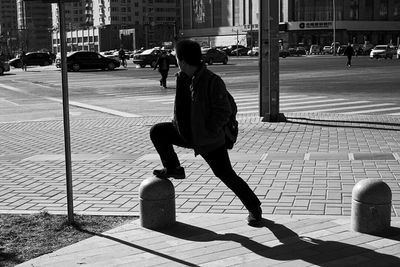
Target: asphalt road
(307, 84)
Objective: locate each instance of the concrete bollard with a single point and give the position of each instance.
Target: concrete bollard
(371, 206)
(157, 203)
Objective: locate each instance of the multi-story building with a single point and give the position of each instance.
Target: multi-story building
(305, 22)
(8, 26)
(77, 14)
(34, 25)
(118, 23)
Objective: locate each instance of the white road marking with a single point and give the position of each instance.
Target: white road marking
(372, 110)
(97, 108)
(353, 107)
(324, 105)
(77, 104)
(9, 102)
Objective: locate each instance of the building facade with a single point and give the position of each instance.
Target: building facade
(77, 15)
(129, 24)
(304, 22)
(34, 25)
(8, 27)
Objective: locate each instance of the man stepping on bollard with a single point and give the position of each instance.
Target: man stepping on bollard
(202, 109)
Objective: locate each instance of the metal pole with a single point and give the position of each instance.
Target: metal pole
(334, 27)
(269, 61)
(237, 42)
(67, 139)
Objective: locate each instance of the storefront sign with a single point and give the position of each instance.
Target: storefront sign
(249, 27)
(310, 25)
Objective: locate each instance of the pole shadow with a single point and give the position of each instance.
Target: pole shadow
(156, 253)
(293, 247)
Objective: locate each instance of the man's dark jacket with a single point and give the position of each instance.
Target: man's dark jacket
(209, 110)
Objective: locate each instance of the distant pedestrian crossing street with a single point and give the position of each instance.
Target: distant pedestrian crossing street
(249, 103)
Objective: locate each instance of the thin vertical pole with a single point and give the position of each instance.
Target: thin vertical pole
(334, 27)
(67, 138)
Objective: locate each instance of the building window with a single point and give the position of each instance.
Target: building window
(353, 15)
(383, 9)
(396, 11)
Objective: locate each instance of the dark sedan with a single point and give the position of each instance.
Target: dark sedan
(214, 55)
(32, 59)
(150, 56)
(88, 60)
(242, 51)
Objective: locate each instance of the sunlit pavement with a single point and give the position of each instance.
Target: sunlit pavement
(302, 170)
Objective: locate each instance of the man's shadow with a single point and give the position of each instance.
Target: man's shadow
(292, 247)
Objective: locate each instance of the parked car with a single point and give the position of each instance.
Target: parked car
(327, 49)
(366, 48)
(214, 55)
(340, 49)
(110, 54)
(33, 59)
(78, 60)
(242, 51)
(228, 50)
(284, 53)
(253, 52)
(315, 50)
(398, 53)
(381, 51)
(149, 57)
(298, 51)
(4, 67)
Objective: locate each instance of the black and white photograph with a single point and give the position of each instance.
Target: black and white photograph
(199, 133)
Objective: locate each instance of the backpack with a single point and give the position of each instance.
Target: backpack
(232, 127)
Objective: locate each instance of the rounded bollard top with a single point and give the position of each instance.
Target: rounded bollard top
(154, 188)
(372, 191)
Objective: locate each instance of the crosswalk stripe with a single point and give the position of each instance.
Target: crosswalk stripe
(301, 98)
(352, 107)
(324, 105)
(316, 101)
(372, 110)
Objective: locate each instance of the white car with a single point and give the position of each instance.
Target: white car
(253, 52)
(381, 51)
(398, 53)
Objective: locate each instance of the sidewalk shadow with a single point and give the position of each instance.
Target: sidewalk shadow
(344, 124)
(293, 247)
(129, 244)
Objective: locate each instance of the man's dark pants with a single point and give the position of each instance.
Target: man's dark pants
(164, 136)
(164, 75)
(349, 60)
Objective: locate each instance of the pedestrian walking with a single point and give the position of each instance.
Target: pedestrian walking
(163, 67)
(349, 52)
(122, 57)
(23, 60)
(201, 110)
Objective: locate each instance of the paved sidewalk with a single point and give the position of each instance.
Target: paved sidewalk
(306, 166)
(225, 240)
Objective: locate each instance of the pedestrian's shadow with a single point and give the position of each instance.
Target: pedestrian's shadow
(292, 247)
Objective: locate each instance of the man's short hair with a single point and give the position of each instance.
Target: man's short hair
(189, 51)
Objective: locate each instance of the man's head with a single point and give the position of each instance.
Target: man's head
(188, 52)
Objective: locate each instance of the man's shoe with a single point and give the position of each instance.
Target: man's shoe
(255, 217)
(177, 173)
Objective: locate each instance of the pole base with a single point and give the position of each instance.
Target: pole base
(269, 117)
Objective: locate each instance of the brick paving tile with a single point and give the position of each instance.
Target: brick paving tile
(304, 166)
